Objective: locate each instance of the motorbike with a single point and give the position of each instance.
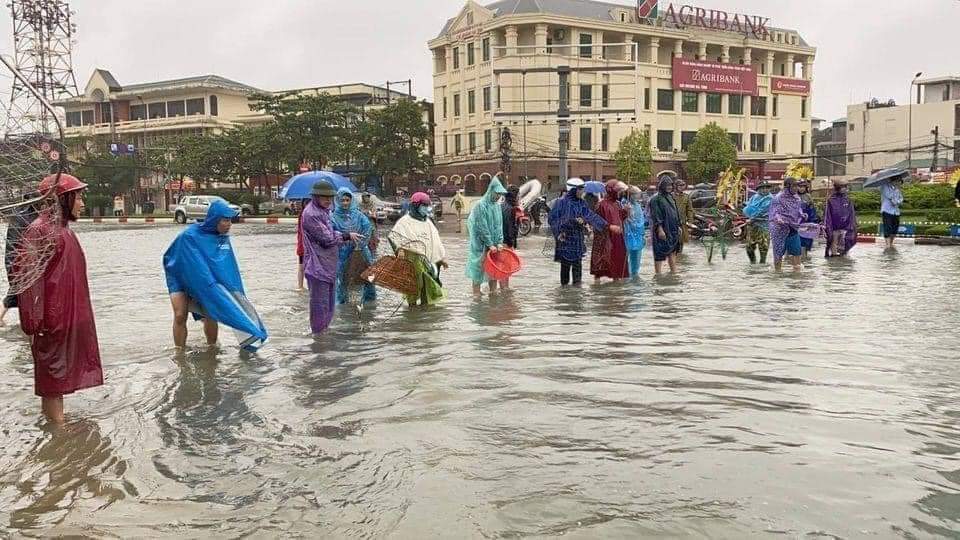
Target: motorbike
(533, 215)
(524, 226)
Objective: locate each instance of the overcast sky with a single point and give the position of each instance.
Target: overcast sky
(865, 48)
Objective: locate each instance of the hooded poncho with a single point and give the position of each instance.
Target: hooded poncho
(485, 229)
(664, 214)
(839, 215)
(348, 221)
(635, 227)
(56, 312)
(785, 215)
(567, 231)
(757, 209)
(609, 251)
(202, 264)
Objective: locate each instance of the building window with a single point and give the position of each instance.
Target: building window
(688, 101)
(714, 103)
(605, 139)
(472, 142)
(803, 142)
(486, 98)
(106, 113)
(586, 95)
(471, 102)
(776, 106)
(758, 106)
(176, 108)
(487, 140)
(686, 139)
(457, 144)
(444, 107)
(549, 45)
(139, 112)
(86, 117)
(446, 144)
(773, 142)
(664, 100)
(73, 119)
(213, 106)
(665, 140)
(783, 70)
(737, 140)
(646, 98)
(605, 96)
(471, 55)
(758, 142)
(456, 58)
(586, 138)
(485, 49)
(803, 107)
(157, 110)
(456, 105)
(194, 106)
(586, 45)
(851, 127)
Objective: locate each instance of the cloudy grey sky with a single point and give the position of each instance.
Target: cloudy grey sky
(866, 48)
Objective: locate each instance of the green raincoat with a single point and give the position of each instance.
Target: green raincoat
(485, 229)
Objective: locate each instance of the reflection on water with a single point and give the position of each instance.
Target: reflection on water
(725, 401)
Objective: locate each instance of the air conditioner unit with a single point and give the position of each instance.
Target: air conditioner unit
(559, 34)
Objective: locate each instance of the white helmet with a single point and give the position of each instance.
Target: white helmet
(575, 183)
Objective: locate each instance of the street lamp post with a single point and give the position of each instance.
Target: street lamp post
(910, 122)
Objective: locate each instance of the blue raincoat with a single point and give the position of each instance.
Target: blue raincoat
(635, 228)
(201, 263)
(485, 229)
(757, 208)
(348, 221)
(567, 232)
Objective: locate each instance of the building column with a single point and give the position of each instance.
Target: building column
(791, 66)
(628, 48)
(808, 69)
(654, 50)
(747, 56)
(770, 58)
(540, 39)
(511, 43)
(725, 55)
(448, 55)
(678, 48)
(702, 53)
(598, 45)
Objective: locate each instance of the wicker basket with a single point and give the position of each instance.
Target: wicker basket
(356, 265)
(393, 273)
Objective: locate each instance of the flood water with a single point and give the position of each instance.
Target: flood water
(726, 403)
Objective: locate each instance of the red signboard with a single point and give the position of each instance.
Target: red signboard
(707, 76)
(799, 87)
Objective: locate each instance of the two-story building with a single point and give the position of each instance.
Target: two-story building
(665, 69)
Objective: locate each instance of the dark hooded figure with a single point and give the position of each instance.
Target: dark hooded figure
(511, 221)
(665, 223)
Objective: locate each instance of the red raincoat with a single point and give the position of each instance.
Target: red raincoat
(609, 257)
(56, 312)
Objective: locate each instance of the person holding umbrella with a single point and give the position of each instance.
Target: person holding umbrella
(891, 197)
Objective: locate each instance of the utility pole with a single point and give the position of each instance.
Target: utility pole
(936, 148)
(563, 122)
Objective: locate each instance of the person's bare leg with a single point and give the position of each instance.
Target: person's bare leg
(3, 315)
(477, 293)
(835, 245)
(505, 284)
(778, 265)
(179, 301)
(212, 330)
(493, 287)
(797, 265)
(672, 261)
(300, 277)
(658, 267)
(53, 409)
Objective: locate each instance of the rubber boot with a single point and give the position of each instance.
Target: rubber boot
(752, 255)
(763, 257)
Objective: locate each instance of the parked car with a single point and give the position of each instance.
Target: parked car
(194, 207)
(278, 206)
(385, 209)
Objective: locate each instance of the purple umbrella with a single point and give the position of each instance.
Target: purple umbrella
(594, 187)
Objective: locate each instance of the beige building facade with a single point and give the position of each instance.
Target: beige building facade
(495, 68)
(881, 136)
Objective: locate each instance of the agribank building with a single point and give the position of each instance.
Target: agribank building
(666, 69)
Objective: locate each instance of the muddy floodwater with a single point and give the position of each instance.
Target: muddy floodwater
(725, 403)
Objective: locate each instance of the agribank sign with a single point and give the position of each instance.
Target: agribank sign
(707, 76)
(710, 19)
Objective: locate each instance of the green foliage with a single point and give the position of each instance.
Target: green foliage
(634, 159)
(927, 196)
(391, 140)
(868, 200)
(311, 128)
(711, 153)
(237, 196)
(107, 176)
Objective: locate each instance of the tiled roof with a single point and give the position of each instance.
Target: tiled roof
(215, 81)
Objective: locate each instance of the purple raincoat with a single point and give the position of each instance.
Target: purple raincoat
(321, 254)
(839, 215)
(785, 215)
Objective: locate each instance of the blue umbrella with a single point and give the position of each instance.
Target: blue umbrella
(300, 186)
(594, 187)
(885, 175)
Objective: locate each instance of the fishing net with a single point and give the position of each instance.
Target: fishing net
(31, 148)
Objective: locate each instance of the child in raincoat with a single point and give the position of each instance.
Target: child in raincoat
(485, 230)
(635, 230)
(347, 218)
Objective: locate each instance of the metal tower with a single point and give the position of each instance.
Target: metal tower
(42, 41)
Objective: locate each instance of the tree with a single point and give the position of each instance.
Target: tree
(313, 128)
(634, 158)
(106, 176)
(392, 140)
(711, 153)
